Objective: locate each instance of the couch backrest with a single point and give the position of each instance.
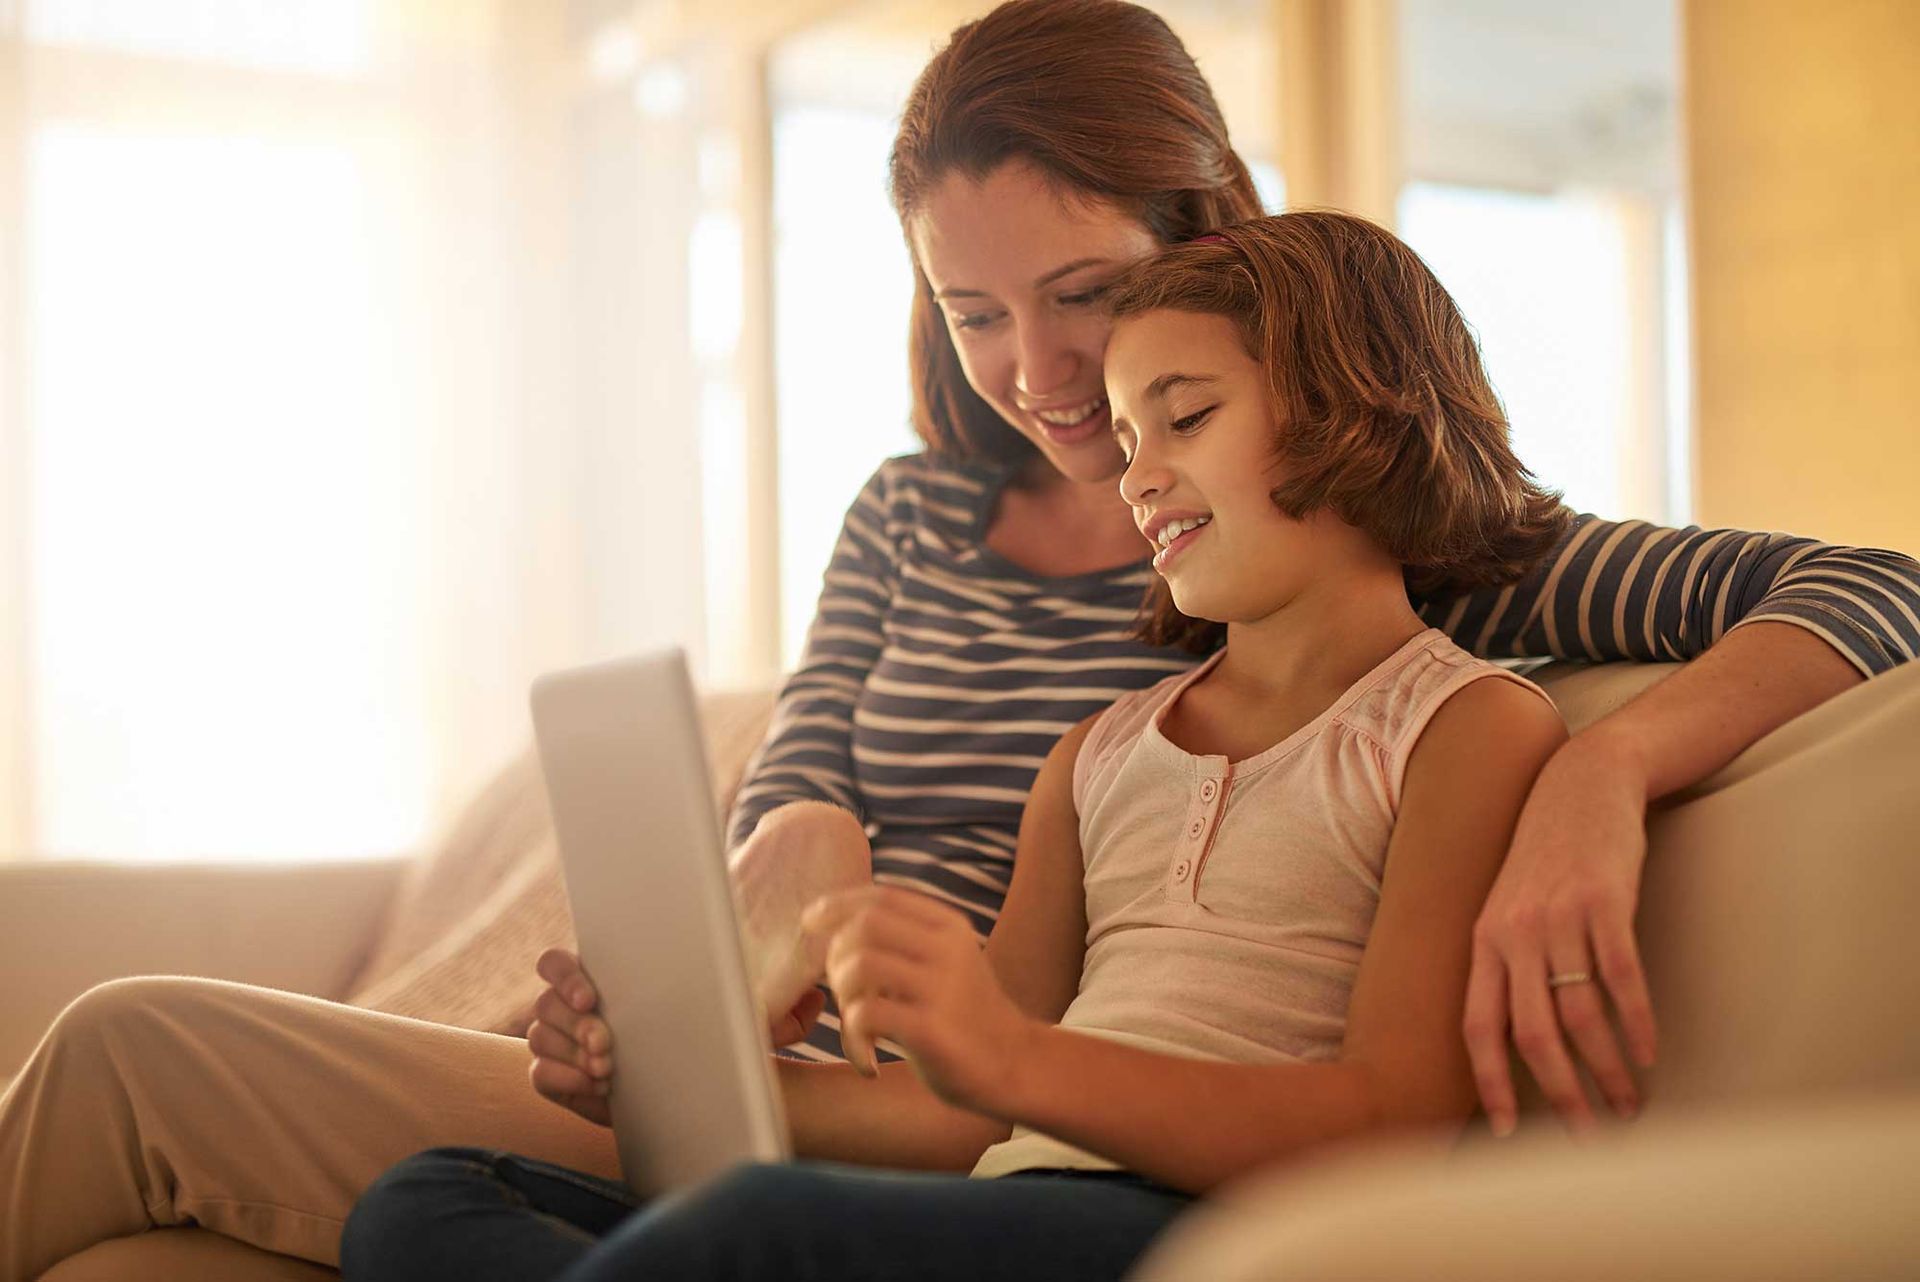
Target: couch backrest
(1779, 908)
(1776, 918)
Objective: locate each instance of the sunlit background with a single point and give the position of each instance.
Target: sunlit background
(364, 358)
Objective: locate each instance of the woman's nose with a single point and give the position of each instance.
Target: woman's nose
(1045, 362)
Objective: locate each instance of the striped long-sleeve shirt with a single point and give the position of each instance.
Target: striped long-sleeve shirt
(937, 675)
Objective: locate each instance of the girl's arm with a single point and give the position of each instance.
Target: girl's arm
(1034, 954)
(1191, 1124)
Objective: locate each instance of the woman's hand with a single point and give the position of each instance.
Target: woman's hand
(911, 970)
(1564, 904)
(796, 854)
(572, 1046)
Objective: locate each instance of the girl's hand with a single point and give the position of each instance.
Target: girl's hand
(1563, 904)
(572, 1046)
(909, 969)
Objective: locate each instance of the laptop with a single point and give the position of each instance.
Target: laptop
(693, 1091)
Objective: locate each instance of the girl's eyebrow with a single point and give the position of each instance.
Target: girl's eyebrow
(1159, 387)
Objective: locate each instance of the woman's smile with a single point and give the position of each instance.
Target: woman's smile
(1075, 423)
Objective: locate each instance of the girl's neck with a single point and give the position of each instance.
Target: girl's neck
(1314, 647)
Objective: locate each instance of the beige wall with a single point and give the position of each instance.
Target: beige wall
(1804, 140)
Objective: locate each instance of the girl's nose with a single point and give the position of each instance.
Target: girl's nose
(1145, 478)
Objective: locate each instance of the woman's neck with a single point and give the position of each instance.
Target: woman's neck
(1054, 526)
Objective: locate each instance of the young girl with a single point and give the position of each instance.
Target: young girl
(1240, 914)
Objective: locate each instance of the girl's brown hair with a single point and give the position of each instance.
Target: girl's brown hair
(1383, 413)
(1102, 98)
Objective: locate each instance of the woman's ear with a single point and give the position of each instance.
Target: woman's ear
(950, 418)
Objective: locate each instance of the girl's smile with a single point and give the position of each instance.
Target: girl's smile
(1172, 532)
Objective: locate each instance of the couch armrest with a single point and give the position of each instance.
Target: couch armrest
(66, 926)
(1812, 1191)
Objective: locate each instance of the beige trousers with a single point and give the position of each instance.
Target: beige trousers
(258, 1114)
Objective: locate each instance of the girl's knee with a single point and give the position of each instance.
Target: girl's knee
(755, 1203)
(378, 1237)
(756, 1192)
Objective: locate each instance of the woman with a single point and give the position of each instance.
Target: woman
(264, 1116)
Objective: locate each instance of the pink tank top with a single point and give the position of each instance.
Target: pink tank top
(1228, 903)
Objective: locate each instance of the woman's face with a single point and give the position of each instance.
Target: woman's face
(1018, 269)
(1193, 415)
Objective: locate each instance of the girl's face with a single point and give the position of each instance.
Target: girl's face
(1018, 270)
(1195, 419)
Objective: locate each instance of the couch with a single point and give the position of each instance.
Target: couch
(1777, 926)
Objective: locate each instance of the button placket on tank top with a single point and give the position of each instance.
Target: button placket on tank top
(1205, 801)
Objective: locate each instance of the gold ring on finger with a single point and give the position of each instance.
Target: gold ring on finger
(1565, 978)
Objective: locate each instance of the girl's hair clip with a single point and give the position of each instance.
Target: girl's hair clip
(1211, 238)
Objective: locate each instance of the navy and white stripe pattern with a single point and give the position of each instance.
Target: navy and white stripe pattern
(937, 676)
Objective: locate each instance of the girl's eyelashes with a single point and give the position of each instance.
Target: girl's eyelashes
(974, 320)
(1193, 420)
(1085, 296)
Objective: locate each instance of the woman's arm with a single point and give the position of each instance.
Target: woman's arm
(1566, 897)
(807, 754)
(1630, 590)
(1779, 624)
(797, 828)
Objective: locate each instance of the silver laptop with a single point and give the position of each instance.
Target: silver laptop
(693, 1090)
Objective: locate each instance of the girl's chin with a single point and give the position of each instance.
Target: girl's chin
(1195, 602)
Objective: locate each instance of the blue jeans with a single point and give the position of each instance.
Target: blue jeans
(479, 1214)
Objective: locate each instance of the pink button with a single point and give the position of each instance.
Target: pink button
(1209, 790)
(1181, 869)
(1197, 827)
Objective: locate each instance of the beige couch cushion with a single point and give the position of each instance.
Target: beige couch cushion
(479, 973)
(183, 1254)
(1807, 1190)
(466, 927)
(499, 830)
(460, 940)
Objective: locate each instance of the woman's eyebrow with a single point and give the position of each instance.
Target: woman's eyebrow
(1066, 269)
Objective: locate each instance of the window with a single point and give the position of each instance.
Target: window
(1540, 147)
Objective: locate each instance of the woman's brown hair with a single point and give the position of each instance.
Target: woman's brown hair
(1383, 413)
(1102, 98)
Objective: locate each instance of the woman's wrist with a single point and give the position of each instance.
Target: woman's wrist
(1607, 755)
